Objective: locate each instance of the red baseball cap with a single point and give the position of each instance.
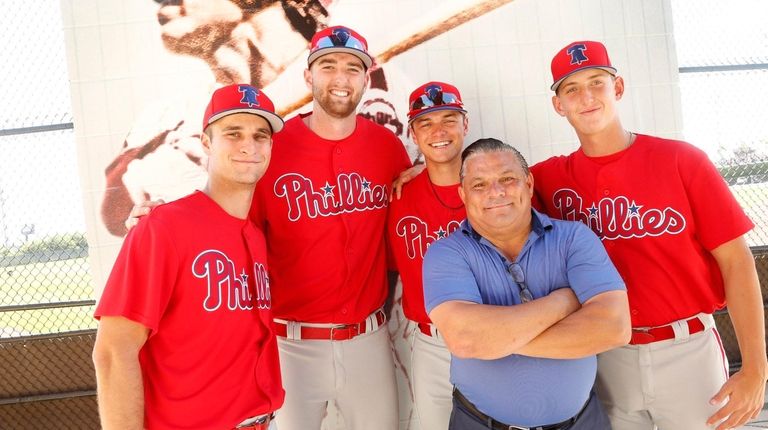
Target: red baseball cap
(434, 96)
(578, 56)
(339, 39)
(241, 98)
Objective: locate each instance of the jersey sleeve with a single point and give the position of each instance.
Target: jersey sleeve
(257, 214)
(400, 156)
(389, 237)
(717, 214)
(589, 269)
(143, 278)
(447, 275)
(538, 174)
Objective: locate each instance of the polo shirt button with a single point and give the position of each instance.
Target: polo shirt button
(338, 150)
(635, 312)
(606, 192)
(344, 311)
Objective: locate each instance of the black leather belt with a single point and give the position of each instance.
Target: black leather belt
(497, 425)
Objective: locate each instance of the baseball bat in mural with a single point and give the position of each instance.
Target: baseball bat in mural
(261, 45)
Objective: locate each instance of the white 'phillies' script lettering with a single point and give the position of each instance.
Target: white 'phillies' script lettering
(352, 193)
(618, 218)
(417, 237)
(227, 287)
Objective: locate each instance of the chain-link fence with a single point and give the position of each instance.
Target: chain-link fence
(43, 251)
(46, 297)
(722, 52)
(44, 279)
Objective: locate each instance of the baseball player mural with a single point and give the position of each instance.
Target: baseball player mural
(429, 209)
(192, 278)
(240, 41)
(676, 234)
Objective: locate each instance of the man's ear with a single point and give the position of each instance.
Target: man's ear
(618, 85)
(308, 78)
(557, 105)
(529, 182)
(206, 142)
(462, 196)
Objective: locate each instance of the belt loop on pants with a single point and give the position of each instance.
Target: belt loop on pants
(429, 330)
(294, 330)
(679, 330)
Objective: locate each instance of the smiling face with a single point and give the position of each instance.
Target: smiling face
(337, 81)
(238, 148)
(497, 193)
(440, 135)
(588, 100)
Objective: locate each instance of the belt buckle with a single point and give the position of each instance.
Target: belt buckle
(355, 327)
(642, 335)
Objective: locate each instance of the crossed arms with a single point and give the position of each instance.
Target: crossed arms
(554, 326)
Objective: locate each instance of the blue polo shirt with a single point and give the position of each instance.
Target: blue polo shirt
(517, 389)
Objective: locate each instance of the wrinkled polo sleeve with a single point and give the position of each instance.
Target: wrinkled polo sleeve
(589, 269)
(447, 275)
(717, 214)
(143, 278)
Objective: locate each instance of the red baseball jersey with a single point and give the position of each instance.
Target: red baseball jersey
(323, 206)
(196, 277)
(660, 207)
(425, 213)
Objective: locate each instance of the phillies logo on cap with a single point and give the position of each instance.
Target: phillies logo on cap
(573, 58)
(250, 95)
(577, 53)
(340, 36)
(434, 96)
(339, 39)
(241, 98)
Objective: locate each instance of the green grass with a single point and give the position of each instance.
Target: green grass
(57, 281)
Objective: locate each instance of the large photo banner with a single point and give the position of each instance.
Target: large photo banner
(142, 71)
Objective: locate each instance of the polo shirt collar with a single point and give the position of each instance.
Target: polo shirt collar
(540, 224)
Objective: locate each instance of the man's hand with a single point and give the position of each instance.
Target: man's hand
(745, 392)
(141, 209)
(405, 176)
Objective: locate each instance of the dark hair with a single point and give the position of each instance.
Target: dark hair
(489, 144)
